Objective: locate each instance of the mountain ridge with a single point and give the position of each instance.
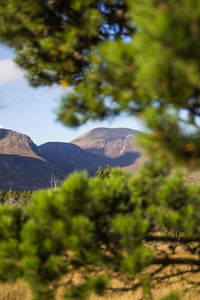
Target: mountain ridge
(24, 165)
(95, 136)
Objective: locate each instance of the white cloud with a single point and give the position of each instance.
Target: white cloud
(9, 71)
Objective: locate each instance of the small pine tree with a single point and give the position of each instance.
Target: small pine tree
(103, 173)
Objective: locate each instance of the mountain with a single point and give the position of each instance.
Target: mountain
(115, 145)
(24, 165)
(100, 146)
(21, 166)
(108, 142)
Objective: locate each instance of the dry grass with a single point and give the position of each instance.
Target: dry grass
(15, 291)
(20, 290)
(168, 281)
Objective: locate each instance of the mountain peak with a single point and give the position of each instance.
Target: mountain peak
(13, 142)
(110, 142)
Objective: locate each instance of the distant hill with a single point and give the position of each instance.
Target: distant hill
(24, 165)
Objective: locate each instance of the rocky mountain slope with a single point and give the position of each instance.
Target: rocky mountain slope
(115, 145)
(24, 165)
(12, 142)
(108, 142)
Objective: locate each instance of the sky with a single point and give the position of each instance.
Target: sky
(31, 111)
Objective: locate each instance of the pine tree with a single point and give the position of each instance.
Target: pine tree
(103, 173)
(139, 57)
(53, 39)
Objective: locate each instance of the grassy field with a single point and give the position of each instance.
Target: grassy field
(21, 291)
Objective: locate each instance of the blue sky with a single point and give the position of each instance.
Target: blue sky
(32, 110)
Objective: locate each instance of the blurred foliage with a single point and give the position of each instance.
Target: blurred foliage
(139, 57)
(171, 296)
(53, 38)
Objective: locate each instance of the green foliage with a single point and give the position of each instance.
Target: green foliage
(11, 221)
(172, 143)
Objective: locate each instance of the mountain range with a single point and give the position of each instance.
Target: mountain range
(24, 165)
